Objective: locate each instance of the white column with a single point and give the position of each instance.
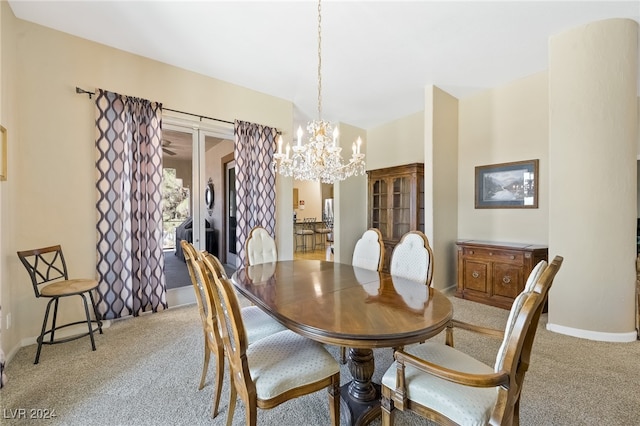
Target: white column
(593, 133)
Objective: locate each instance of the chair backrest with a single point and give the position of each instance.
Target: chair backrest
(260, 247)
(232, 330)
(44, 265)
(412, 258)
(217, 265)
(204, 296)
(369, 251)
(515, 352)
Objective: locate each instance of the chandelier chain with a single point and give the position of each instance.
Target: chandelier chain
(319, 62)
(320, 158)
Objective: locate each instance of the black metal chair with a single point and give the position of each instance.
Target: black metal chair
(48, 272)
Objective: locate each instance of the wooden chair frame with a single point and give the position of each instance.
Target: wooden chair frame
(236, 342)
(509, 380)
(212, 339)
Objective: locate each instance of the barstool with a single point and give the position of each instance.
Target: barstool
(303, 231)
(323, 229)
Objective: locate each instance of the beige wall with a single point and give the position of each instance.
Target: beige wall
(501, 125)
(311, 194)
(396, 143)
(8, 118)
(350, 199)
(52, 161)
(441, 182)
(593, 131)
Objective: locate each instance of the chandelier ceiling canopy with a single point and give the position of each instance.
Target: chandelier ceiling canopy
(319, 159)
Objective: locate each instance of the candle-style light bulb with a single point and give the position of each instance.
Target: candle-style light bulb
(299, 135)
(353, 147)
(288, 149)
(359, 142)
(335, 137)
(280, 144)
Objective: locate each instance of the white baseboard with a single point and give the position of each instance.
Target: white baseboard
(600, 336)
(181, 296)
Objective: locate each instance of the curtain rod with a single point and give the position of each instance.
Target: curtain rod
(86, 92)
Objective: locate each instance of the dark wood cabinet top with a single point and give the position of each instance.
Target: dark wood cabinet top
(501, 244)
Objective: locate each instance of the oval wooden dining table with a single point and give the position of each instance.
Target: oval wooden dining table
(343, 305)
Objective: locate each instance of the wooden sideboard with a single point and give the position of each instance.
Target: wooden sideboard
(494, 273)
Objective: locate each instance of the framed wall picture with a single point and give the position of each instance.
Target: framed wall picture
(3, 153)
(507, 185)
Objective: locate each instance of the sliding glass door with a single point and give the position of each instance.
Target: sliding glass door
(192, 179)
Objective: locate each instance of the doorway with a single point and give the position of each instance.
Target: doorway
(231, 252)
(193, 211)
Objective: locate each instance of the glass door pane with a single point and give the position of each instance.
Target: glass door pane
(177, 202)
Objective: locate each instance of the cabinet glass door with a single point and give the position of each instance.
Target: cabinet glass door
(379, 207)
(401, 207)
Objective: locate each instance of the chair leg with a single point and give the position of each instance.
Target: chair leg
(343, 355)
(232, 401)
(55, 318)
(43, 330)
(219, 379)
(95, 312)
(205, 362)
(334, 401)
(86, 311)
(388, 409)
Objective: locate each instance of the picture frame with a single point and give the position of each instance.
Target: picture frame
(3, 153)
(507, 185)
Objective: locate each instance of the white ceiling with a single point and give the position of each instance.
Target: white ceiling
(377, 56)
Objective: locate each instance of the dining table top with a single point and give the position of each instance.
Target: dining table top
(341, 304)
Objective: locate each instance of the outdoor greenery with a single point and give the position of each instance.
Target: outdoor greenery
(175, 206)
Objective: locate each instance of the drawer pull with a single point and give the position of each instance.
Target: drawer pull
(490, 253)
(506, 279)
(475, 274)
(512, 257)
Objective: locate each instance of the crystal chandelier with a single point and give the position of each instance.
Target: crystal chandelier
(319, 159)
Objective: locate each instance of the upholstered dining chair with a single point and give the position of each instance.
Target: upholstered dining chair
(446, 385)
(368, 252)
(260, 247)
(49, 277)
(274, 369)
(257, 322)
(412, 258)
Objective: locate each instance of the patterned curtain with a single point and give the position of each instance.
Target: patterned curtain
(255, 181)
(130, 259)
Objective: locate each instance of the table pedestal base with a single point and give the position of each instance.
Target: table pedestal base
(357, 413)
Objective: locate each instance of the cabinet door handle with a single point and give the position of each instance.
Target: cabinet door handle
(475, 274)
(506, 279)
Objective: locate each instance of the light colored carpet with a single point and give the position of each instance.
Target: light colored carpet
(146, 372)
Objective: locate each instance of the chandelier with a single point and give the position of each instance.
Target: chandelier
(320, 158)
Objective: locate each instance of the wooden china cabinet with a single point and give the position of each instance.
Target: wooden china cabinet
(396, 203)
